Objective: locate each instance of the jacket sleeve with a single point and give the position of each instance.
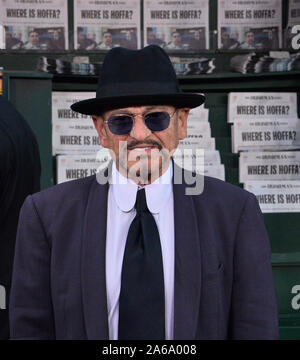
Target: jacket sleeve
(30, 309)
(254, 308)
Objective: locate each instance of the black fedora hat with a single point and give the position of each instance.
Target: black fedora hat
(137, 77)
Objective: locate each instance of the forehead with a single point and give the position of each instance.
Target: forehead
(138, 109)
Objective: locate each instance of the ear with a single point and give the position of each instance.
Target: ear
(99, 125)
(182, 123)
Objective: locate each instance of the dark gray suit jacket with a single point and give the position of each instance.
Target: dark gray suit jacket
(223, 278)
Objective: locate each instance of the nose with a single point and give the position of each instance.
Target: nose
(139, 129)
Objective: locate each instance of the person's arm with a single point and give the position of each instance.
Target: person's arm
(254, 308)
(30, 310)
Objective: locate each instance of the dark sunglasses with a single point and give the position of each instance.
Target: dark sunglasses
(123, 123)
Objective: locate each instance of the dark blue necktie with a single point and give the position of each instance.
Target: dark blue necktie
(142, 299)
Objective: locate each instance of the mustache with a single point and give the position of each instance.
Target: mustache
(133, 144)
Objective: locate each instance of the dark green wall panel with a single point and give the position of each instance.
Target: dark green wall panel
(31, 95)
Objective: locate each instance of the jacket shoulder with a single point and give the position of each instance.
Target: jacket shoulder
(221, 196)
(63, 199)
(219, 188)
(73, 189)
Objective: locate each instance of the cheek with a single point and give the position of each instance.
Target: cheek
(168, 139)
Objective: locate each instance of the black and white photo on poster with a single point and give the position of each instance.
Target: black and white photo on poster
(103, 25)
(249, 25)
(180, 25)
(39, 26)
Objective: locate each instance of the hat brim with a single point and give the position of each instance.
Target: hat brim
(97, 106)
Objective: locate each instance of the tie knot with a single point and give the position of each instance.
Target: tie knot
(141, 203)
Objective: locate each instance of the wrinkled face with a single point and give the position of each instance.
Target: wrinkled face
(107, 39)
(250, 38)
(34, 38)
(142, 148)
(176, 38)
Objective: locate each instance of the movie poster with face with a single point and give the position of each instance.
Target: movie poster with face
(249, 25)
(291, 33)
(178, 25)
(103, 25)
(38, 25)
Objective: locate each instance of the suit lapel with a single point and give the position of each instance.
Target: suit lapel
(93, 263)
(187, 285)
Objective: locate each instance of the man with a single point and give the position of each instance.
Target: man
(106, 43)
(175, 43)
(57, 41)
(19, 177)
(33, 42)
(228, 42)
(152, 39)
(12, 43)
(249, 41)
(198, 40)
(142, 258)
(83, 42)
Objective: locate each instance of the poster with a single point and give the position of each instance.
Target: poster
(205, 157)
(177, 25)
(72, 132)
(74, 138)
(249, 25)
(198, 130)
(259, 105)
(61, 102)
(197, 142)
(70, 167)
(276, 196)
(202, 161)
(270, 165)
(102, 25)
(35, 25)
(266, 134)
(197, 115)
(198, 136)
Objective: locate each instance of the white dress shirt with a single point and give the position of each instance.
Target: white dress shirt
(120, 213)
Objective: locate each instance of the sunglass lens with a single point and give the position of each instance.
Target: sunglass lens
(120, 125)
(157, 121)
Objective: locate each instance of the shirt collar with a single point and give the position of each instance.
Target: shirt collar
(157, 193)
